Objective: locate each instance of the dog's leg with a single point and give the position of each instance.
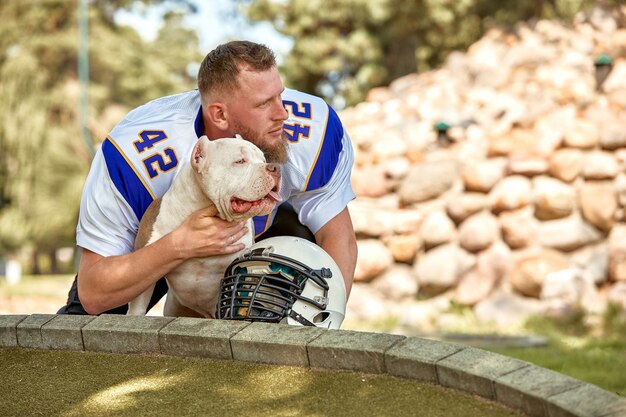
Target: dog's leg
(139, 306)
(174, 308)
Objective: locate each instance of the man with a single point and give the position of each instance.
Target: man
(239, 92)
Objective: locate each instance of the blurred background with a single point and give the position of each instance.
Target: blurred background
(490, 141)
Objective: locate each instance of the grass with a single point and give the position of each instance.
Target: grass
(73, 384)
(595, 355)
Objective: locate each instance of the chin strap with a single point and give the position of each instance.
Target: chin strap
(300, 319)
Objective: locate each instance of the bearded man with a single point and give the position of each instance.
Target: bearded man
(240, 91)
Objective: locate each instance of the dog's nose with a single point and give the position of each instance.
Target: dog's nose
(273, 168)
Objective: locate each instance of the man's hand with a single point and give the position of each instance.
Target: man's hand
(203, 234)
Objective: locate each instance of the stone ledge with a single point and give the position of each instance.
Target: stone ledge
(517, 384)
(124, 334)
(275, 344)
(187, 336)
(351, 350)
(29, 330)
(527, 388)
(474, 370)
(65, 332)
(8, 329)
(415, 358)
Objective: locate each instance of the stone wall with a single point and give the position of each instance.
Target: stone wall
(497, 181)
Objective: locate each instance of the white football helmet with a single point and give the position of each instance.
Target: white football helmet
(284, 279)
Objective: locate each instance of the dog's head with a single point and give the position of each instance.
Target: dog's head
(234, 175)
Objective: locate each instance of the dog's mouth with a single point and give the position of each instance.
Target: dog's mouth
(239, 205)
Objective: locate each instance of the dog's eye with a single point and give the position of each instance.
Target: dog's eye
(240, 161)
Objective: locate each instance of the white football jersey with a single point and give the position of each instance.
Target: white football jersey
(139, 159)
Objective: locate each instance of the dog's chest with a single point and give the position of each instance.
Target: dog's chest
(196, 281)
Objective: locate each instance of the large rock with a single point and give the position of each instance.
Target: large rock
(617, 295)
(439, 269)
(478, 232)
(593, 261)
(529, 273)
(617, 253)
(370, 181)
(527, 165)
(613, 135)
(388, 146)
(397, 283)
(620, 189)
(379, 217)
(511, 193)
(395, 169)
(581, 135)
(566, 292)
(507, 310)
(568, 234)
(520, 229)
(550, 128)
(404, 248)
(437, 229)
(483, 175)
(366, 304)
(600, 165)
(461, 206)
(598, 204)
(374, 258)
(428, 180)
(480, 280)
(553, 198)
(566, 164)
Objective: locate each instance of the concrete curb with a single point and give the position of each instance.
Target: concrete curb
(517, 384)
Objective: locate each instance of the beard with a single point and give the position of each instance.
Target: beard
(275, 152)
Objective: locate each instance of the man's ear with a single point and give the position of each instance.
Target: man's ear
(200, 153)
(218, 115)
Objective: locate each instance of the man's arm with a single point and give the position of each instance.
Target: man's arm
(108, 282)
(338, 239)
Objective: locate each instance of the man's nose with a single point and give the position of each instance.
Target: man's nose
(281, 112)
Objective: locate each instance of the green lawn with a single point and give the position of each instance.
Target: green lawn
(76, 384)
(597, 356)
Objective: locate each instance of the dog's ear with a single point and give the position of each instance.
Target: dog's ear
(238, 136)
(200, 153)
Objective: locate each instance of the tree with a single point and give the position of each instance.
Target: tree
(343, 48)
(44, 160)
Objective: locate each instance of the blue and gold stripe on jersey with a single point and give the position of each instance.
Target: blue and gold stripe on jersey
(126, 180)
(328, 152)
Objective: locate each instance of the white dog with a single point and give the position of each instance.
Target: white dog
(230, 174)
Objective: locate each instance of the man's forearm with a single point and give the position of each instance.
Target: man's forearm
(337, 238)
(108, 282)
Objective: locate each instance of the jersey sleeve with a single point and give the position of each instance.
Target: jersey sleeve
(327, 190)
(107, 223)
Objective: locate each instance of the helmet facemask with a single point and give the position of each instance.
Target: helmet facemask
(262, 285)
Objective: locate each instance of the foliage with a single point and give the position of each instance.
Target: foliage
(343, 48)
(44, 159)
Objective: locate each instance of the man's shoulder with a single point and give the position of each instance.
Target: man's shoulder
(303, 100)
(164, 110)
